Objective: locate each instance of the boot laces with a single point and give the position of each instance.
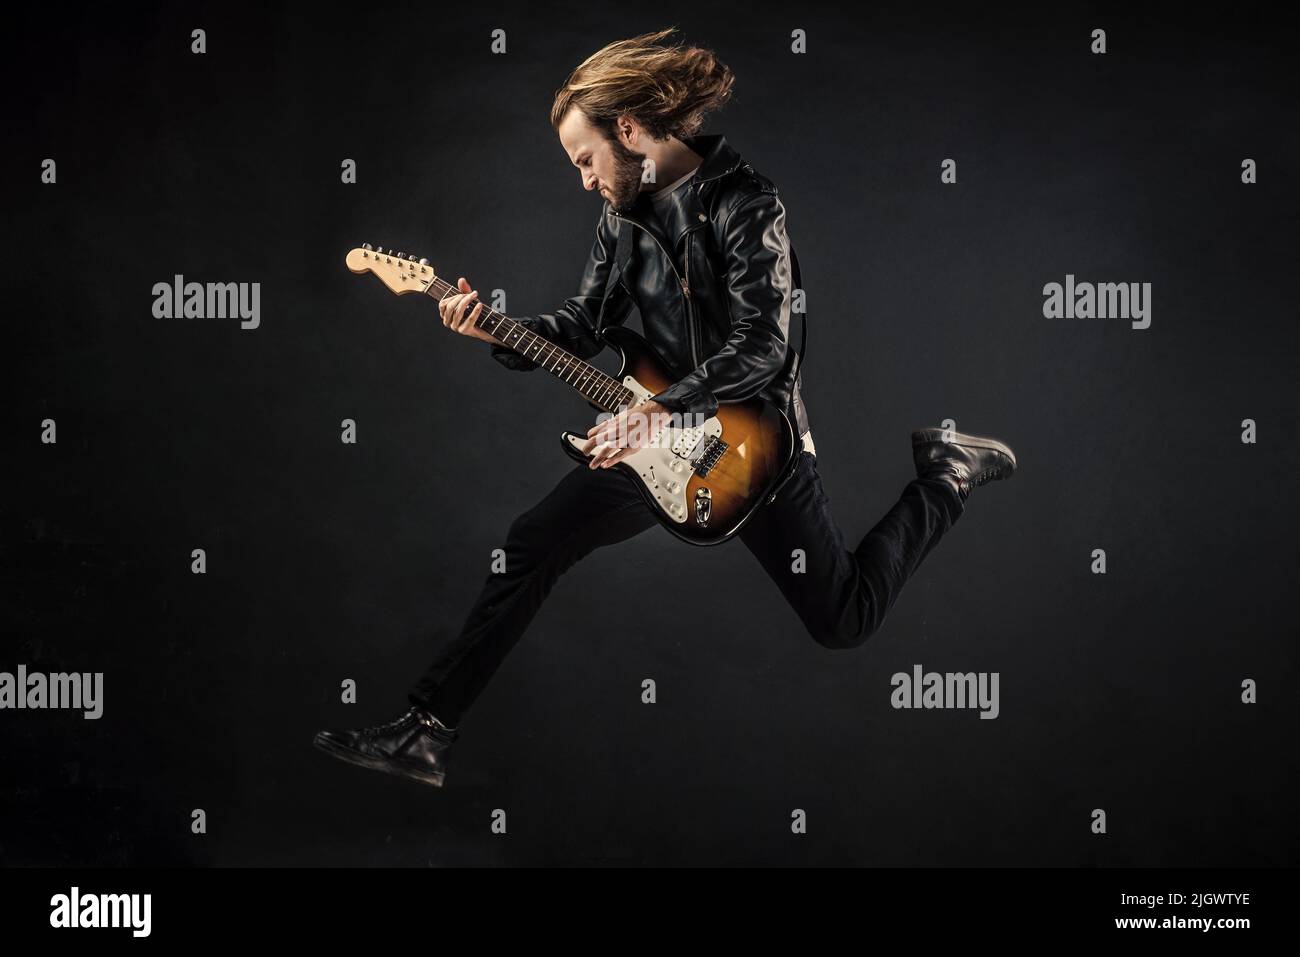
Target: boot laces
(393, 725)
(989, 474)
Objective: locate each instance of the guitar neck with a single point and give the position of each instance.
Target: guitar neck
(603, 391)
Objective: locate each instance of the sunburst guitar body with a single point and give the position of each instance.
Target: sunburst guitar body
(703, 483)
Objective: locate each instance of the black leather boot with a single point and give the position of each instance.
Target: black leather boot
(413, 745)
(964, 461)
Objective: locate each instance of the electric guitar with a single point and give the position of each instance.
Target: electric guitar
(703, 482)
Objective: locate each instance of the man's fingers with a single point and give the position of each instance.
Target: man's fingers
(604, 427)
(604, 452)
(641, 429)
(458, 319)
(625, 432)
(618, 456)
(459, 310)
(610, 424)
(448, 309)
(469, 319)
(461, 307)
(637, 427)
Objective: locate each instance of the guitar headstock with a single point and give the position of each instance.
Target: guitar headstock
(398, 271)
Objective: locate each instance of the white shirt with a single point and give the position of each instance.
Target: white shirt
(660, 195)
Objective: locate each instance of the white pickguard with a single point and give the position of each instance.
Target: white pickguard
(666, 466)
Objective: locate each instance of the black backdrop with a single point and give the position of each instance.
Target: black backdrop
(329, 561)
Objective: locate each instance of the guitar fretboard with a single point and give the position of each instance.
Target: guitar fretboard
(602, 390)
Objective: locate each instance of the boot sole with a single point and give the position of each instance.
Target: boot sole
(923, 436)
(434, 778)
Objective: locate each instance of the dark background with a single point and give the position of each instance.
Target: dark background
(328, 561)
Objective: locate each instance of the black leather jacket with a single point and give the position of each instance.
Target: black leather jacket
(718, 310)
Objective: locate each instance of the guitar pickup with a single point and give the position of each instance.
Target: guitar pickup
(685, 443)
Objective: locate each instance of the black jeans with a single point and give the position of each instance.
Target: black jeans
(842, 595)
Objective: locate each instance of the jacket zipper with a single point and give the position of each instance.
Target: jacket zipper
(690, 305)
(684, 283)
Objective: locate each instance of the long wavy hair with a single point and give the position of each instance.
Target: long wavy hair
(666, 89)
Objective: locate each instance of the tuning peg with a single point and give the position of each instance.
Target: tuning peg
(401, 255)
(424, 262)
(366, 246)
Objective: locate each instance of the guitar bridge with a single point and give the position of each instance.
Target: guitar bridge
(712, 451)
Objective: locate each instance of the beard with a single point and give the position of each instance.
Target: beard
(627, 177)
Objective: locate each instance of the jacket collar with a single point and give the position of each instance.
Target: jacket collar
(719, 160)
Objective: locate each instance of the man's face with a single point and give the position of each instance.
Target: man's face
(606, 165)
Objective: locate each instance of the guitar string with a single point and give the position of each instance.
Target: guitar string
(610, 385)
(610, 388)
(490, 313)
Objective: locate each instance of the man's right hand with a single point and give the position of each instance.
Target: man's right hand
(455, 317)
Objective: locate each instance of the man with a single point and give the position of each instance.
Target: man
(711, 272)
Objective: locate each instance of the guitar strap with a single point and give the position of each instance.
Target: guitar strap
(794, 381)
(803, 336)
